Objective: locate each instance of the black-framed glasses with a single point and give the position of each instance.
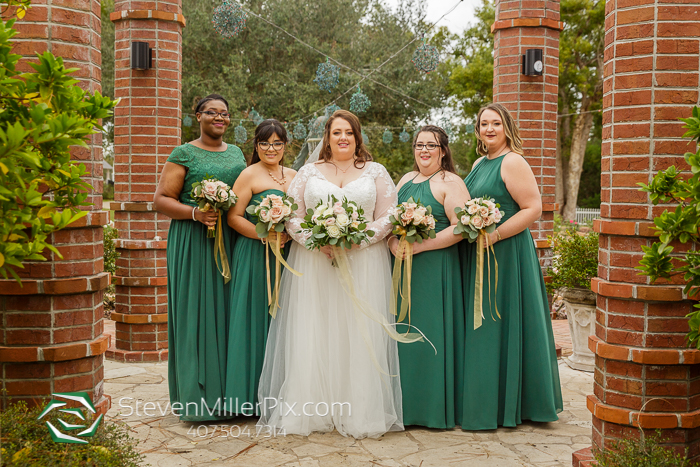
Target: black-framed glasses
(212, 114)
(429, 146)
(277, 145)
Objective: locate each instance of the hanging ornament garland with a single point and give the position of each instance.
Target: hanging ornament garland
(387, 137)
(240, 133)
(254, 116)
(327, 76)
(359, 102)
(331, 109)
(404, 136)
(229, 19)
(300, 131)
(316, 125)
(470, 128)
(426, 58)
(187, 121)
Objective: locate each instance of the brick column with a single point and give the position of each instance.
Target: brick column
(52, 328)
(645, 375)
(146, 130)
(522, 25)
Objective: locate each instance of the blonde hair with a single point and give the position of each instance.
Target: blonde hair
(515, 142)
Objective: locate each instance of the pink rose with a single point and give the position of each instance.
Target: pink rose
(276, 213)
(286, 210)
(330, 221)
(472, 209)
(484, 211)
(431, 223)
(276, 201)
(354, 216)
(209, 189)
(488, 220)
(265, 216)
(464, 220)
(223, 195)
(498, 215)
(477, 222)
(338, 208)
(407, 216)
(265, 202)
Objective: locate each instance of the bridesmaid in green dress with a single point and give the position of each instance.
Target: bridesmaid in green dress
(198, 297)
(430, 382)
(249, 316)
(510, 363)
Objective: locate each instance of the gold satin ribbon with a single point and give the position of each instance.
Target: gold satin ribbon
(403, 289)
(273, 294)
(220, 252)
(479, 283)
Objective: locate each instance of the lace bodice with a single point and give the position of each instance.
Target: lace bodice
(374, 191)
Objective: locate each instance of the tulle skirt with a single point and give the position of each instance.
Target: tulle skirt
(328, 366)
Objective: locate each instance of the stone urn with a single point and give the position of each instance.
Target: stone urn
(580, 312)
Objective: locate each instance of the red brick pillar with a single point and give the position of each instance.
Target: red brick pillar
(146, 130)
(645, 376)
(51, 337)
(522, 25)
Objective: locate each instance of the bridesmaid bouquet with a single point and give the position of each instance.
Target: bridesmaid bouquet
(413, 222)
(477, 219)
(272, 212)
(336, 223)
(214, 194)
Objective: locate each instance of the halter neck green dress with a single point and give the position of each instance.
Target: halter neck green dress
(510, 364)
(250, 317)
(198, 299)
(431, 383)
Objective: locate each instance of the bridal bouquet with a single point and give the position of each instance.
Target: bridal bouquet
(413, 222)
(272, 212)
(336, 223)
(214, 194)
(477, 219)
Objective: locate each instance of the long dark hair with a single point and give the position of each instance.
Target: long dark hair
(447, 164)
(210, 97)
(264, 132)
(361, 152)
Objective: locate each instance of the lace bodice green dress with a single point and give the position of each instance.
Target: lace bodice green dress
(431, 382)
(198, 298)
(510, 363)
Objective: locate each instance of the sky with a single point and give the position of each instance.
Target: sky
(457, 21)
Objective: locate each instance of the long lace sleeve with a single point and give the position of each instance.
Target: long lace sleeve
(387, 199)
(296, 190)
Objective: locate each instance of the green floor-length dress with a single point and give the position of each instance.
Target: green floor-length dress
(510, 363)
(431, 384)
(250, 317)
(198, 299)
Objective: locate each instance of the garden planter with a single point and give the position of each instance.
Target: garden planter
(580, 312)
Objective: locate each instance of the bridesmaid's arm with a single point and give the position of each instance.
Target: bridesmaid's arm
(522, 186)
(236, 215)
(166, 198)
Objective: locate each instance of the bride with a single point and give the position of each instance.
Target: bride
(326, 364)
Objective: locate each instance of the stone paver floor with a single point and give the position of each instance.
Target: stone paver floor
(167, 442)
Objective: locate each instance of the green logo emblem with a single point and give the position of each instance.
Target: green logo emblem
(87, 432)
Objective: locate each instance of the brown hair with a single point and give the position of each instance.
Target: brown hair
(513, 138)
(361, 152)
(446, 163)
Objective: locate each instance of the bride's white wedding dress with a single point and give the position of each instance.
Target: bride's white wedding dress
(326, 365)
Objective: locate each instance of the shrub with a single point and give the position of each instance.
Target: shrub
(645, 452)
(110, 250)
(575, 260)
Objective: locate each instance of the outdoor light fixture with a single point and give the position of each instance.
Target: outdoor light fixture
(141, 56)
(532, 62)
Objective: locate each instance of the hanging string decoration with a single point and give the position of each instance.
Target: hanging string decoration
(240, 133)
(229, 19)
(404, 136)
(387, 137)
(300, 131)
(426, 58)
(359, 102)
(316, 125)
(330, 110)
(187, 121)
(446, 125)
(327, 76)
(254, 116)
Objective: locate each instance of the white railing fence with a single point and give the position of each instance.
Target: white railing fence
(584, 215)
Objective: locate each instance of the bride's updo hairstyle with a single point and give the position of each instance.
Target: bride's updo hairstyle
(361, 153)
(515, 142)
(446, 164)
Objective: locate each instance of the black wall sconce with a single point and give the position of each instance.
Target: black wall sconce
(141, 56)
(532, 62)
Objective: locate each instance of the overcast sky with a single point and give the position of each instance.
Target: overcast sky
(457, 21)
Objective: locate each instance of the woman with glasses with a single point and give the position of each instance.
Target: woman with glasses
(198, 297)
(249, 317)
(430, 381)
(511, 371)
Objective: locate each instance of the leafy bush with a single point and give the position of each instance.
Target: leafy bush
(110, 250)
(673, 186)
(44, 115)
(26, 442)
(575, 260)
(645, 452)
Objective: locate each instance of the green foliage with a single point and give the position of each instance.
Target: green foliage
(673, 186)
(645, 452)
(107, 48)
(575, 260)
(26, 442)
(110, 251)
(43, 115)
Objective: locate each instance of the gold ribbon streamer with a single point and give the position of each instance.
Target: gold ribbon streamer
(479, 282)
(404, 289)
(273, 238)
(220, 252)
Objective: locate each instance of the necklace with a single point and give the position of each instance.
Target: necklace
(347, 168)
(284, 179)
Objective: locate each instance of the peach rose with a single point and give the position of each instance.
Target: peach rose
(276, 214)
(484, 211)
(472, 209)
(477, 222)
(265, 202)
(286, 210)
(276, 201)
(464, 220)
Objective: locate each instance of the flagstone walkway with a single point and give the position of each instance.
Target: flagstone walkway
(167, 442)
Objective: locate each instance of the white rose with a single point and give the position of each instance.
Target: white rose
(418, 217)
(342, 219)
(355, 225)
(464, 220)
(286, 210)
(333, 231)
(328, 212)
(472, 209)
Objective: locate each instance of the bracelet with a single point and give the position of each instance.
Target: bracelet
(193, 213)
(498, 234)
